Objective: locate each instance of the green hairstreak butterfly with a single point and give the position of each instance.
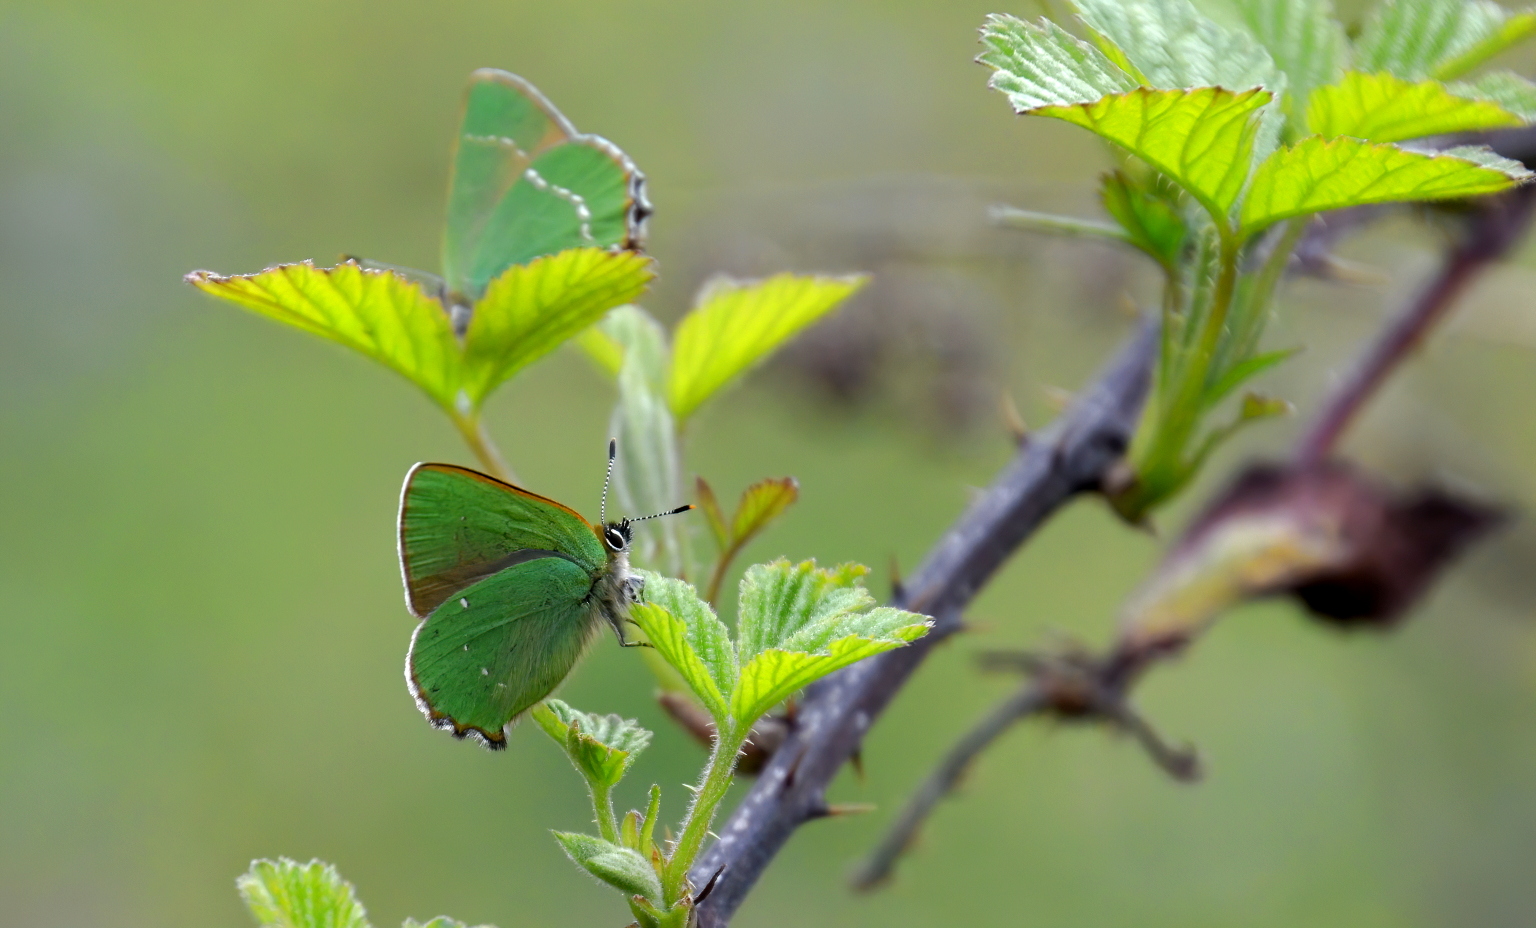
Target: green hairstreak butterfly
(510, 586)
(526, 184)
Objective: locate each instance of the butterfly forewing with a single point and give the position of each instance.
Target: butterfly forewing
(459, 526)
(526, 184)
(486, 655)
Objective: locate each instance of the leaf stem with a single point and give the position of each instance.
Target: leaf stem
(472, 430)
(712, 789)
(602, 807)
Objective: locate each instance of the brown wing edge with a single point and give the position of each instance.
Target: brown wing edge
(639, 207)
(405, 489)
(493, 740)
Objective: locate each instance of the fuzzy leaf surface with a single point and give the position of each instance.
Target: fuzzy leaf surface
(1383, 108)
(774, 675)
(687, 634)
(530, 309)
(1174, 47)
(1203, 138)
(1320, 174)
(1041, 64)
(284, 893)
(618, 866)
(780, 599)
(1442, 39)
(735, 324)
(375, 312)
(1509, 90)
(1303, 38)
(601, 746)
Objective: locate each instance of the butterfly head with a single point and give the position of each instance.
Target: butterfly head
(617, 536)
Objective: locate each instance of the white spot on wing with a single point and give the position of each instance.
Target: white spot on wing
(484, 672)
(577, 201)
(503, 141)
(463, 602)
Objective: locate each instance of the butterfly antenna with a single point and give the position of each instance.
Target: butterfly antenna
(669, 512)
(613, 452)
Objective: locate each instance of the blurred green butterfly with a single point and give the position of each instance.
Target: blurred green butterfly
(526, 184)
(511, 586)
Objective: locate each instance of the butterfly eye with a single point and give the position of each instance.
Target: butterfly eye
(615, 538)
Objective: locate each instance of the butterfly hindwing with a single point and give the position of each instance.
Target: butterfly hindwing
(487, 654)
(459, 527)
(526, 184)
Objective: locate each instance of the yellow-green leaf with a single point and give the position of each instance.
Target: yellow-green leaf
(774, 675)
(284, 893)
(736, 324)
(378, 313)
(532, 308)
(1201, 138)
(1320, 174)
(760, 504)
(1384, 108)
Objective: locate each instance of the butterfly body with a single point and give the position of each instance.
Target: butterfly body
(510, 586)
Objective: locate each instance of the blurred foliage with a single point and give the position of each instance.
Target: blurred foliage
(204, 627)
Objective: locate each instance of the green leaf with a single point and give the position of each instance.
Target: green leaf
(735, 324)
(760, 504)
(1509, 90)
(1383, 108)
(1320, 174)
(618, 866)
(1152, 222)
(530, 309)
(780, 599)
(1203, 139)
(376, 312)
(1303, 38)
(774, 675)
(1243, 371)
(1043, 65)
(601, 746)
(442, 921)
(1175, 47)
(685, 632)
(1442, 39)
(287, 894)
(714, 517)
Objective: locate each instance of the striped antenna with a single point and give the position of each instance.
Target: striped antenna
(613, 452)
(669, 512)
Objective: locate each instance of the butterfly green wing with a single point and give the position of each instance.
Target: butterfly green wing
(459, 526)
(526, 183)
(485, 656)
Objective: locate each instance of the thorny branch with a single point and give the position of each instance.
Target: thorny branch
(1084, 687)
(1069, 457)
(1074, 455)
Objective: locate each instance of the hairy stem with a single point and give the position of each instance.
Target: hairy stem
(712, 789)
(602, 808)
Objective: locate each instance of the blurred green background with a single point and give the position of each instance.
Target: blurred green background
(203, 628)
